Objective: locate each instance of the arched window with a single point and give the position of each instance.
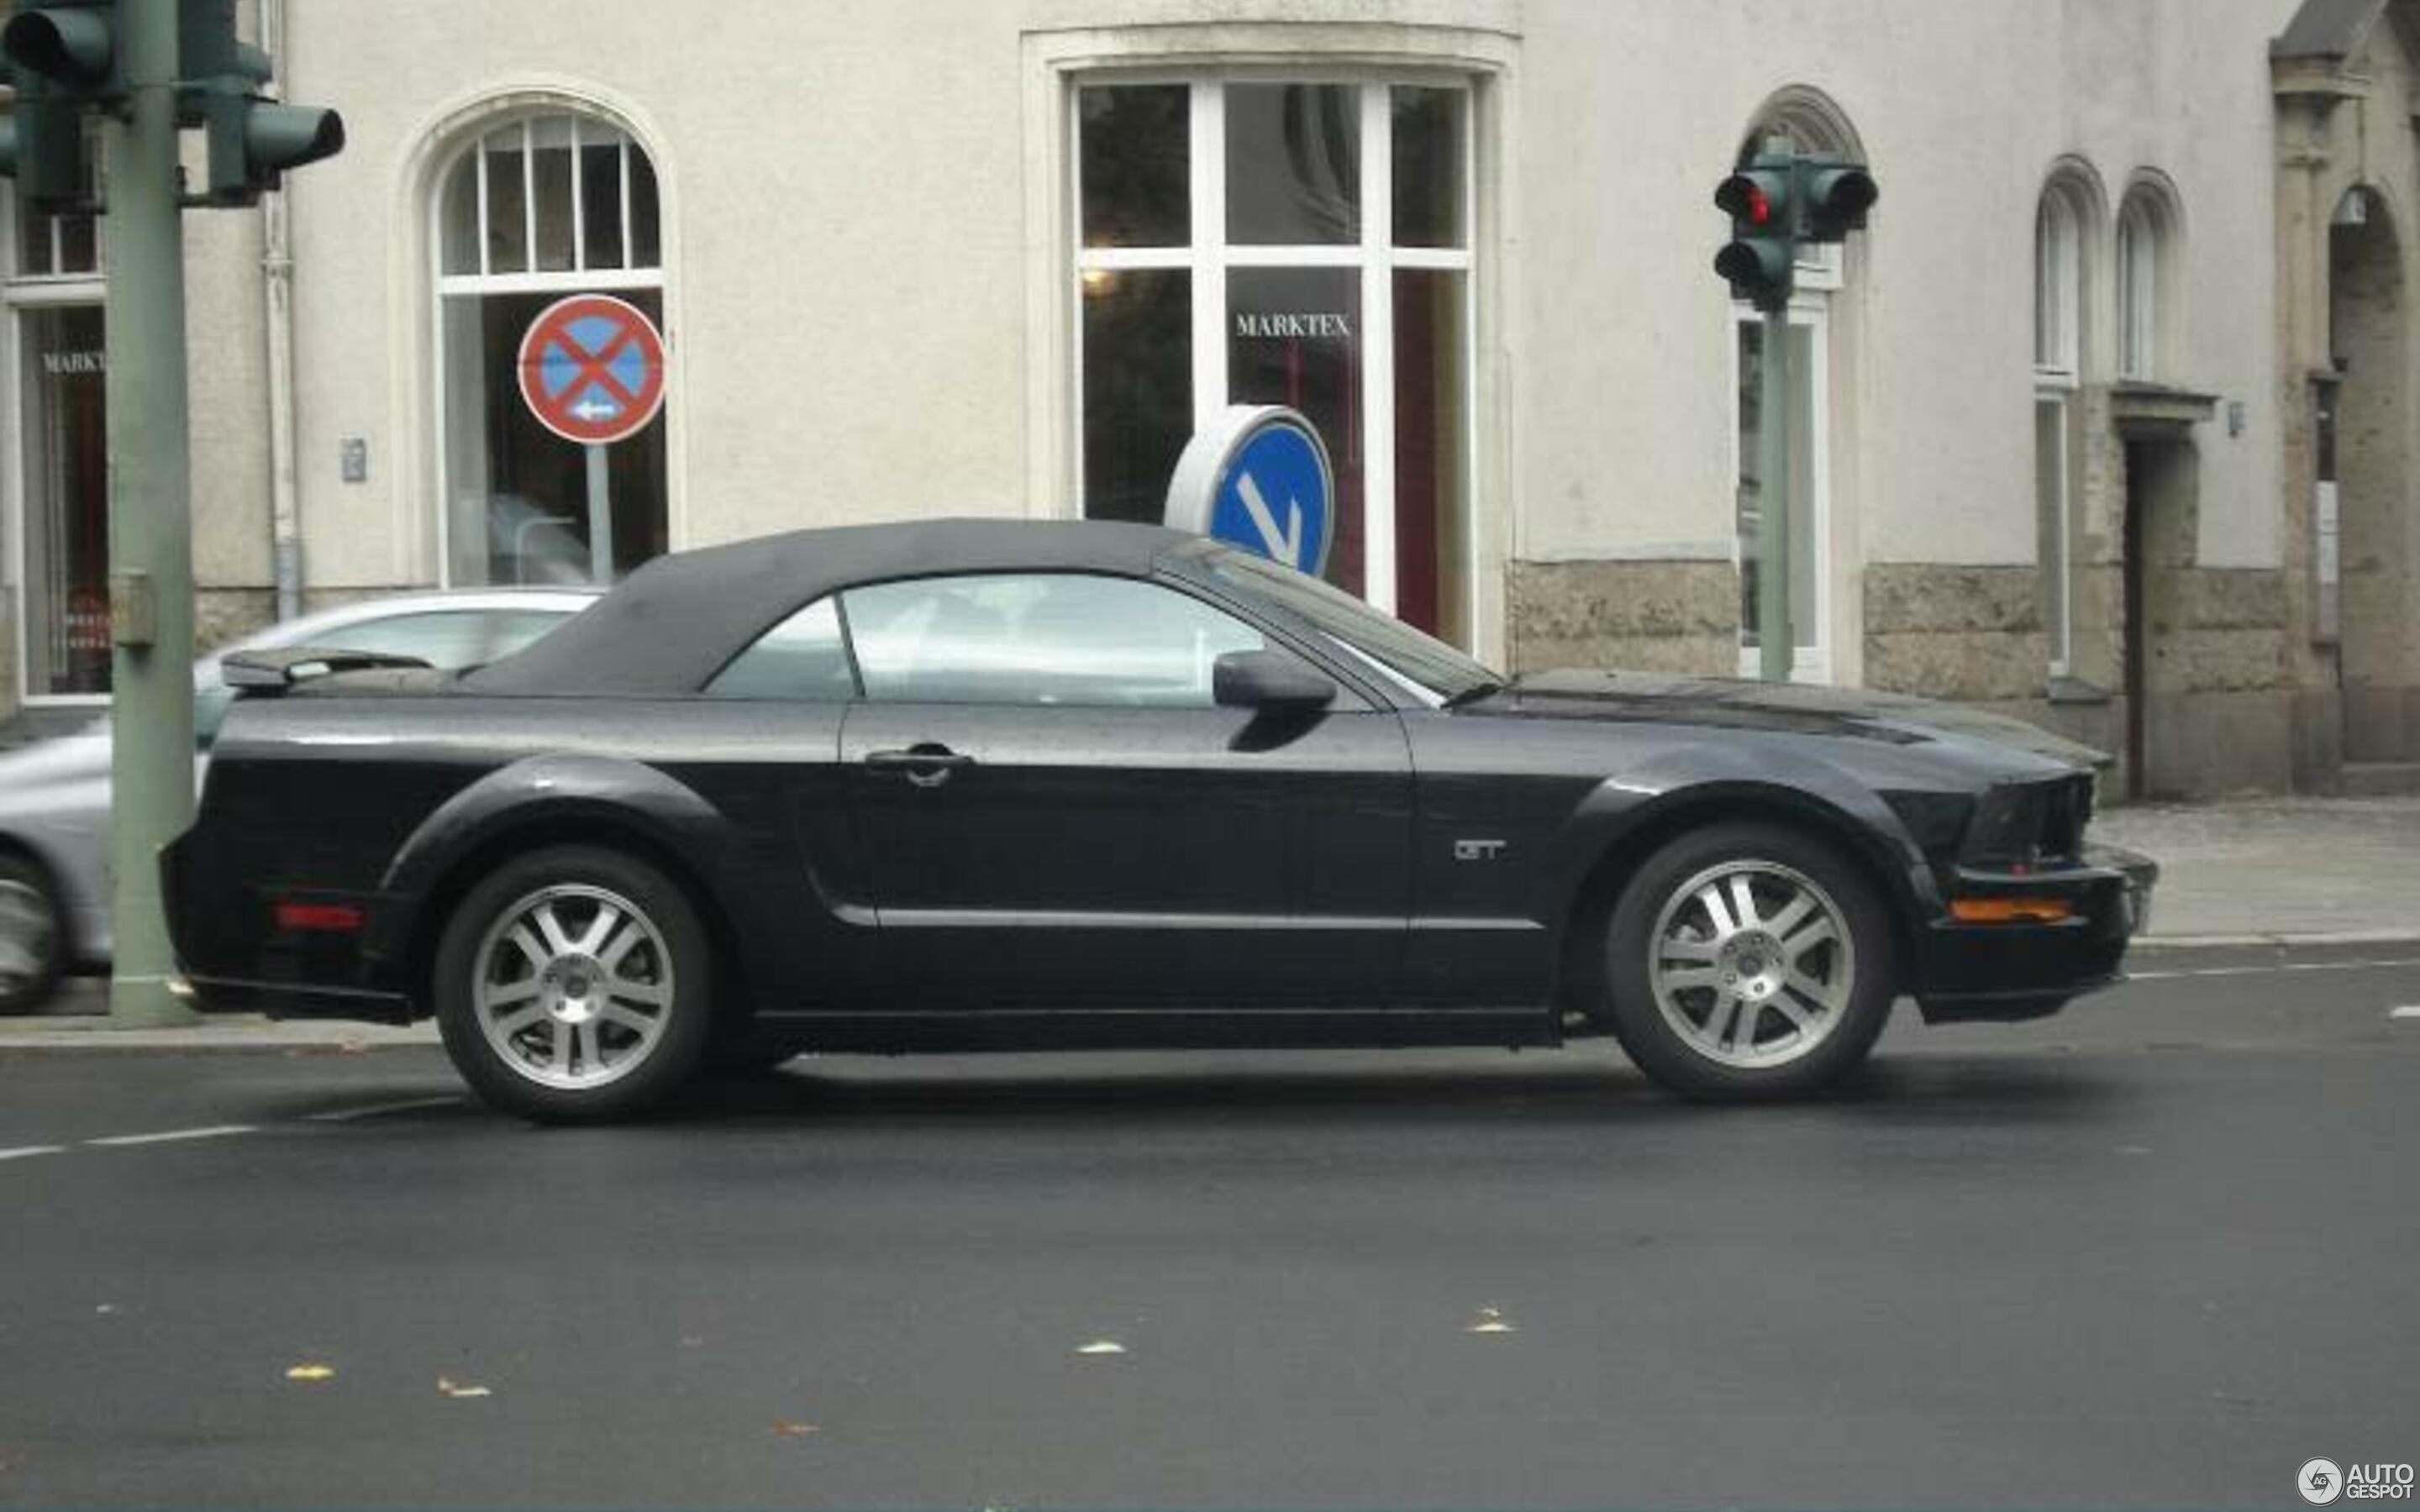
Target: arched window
(2058, 286)
(2069, 204)
(529, 211)
(2142, 233)
(1806, 121)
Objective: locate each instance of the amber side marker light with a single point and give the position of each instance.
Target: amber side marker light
(326, 919)
(2011, 910)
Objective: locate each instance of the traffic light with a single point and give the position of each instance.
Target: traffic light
(42, 144)
(251, 140)
(60, 58)
(1761, 260)
(1838, 195)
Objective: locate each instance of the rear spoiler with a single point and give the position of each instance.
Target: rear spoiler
(267, 673)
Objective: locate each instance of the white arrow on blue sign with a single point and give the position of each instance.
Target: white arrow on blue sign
(1258, 478)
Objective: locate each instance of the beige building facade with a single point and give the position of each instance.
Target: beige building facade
(2105, 420)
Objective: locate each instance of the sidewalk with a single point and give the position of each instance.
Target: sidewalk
(2277, 870)
(2254, 872)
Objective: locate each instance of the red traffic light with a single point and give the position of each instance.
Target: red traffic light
(1744, 199)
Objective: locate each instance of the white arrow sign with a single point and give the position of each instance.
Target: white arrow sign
(1284, 547)
(593, 410)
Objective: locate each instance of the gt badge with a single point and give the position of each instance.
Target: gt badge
(1478, 850)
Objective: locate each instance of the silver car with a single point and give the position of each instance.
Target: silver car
(54, 886)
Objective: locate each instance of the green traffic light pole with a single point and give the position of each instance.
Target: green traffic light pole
(150, 519)
(1775, 639)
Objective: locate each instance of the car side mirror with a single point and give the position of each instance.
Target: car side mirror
(1269, 680)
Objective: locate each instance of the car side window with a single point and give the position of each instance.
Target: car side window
(802, 658)
(1040, 639)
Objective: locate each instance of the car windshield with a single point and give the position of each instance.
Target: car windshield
(1427, 663)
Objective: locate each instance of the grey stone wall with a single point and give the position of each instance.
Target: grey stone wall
(1647, 616)
(1971, 634)
(224, 614)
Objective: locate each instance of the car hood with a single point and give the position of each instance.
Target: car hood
(1895, 719)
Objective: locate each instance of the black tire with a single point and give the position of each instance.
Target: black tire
(33, 935)
(1823, 983)
(580, 1059)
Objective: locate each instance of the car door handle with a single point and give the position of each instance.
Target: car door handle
(928, 766)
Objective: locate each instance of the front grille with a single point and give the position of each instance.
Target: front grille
(2029, 824)
(2067, 807)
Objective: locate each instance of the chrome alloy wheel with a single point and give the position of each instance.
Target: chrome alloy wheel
(1753, 963)
(574, 987)
(29, 927)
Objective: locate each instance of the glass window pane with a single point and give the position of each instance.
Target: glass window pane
(1294, 337)
(1040, 639)
(551, 141)
(1431, 426)
(507, 203)
(601, 189)
(458, 219)
(66, 498)
(516, 493)
(801, 658)
(646, 237)
(1294, 164)
(2050, 505)
(1429, 182)
(1133, 163)
(1137, 388)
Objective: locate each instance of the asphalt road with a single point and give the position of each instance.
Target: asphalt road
(2156, 1253)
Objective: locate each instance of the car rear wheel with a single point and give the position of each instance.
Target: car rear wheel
(32, 935)
(1748, 961)
(575, 983)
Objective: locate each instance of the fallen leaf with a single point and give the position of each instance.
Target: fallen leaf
(1103, 1347)
(448, 1388)
(310, 1372)
(786, 1429)
(1490, 1322)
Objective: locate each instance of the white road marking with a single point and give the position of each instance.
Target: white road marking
(377, 1109)
(2271, 970)
(2409, 1011)
(171, 1135)
(22, 1151)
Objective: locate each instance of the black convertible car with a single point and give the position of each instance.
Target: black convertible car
(998, 785)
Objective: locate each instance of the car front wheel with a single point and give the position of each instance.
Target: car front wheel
(1749, 961)
(575, 984)
(32, 935)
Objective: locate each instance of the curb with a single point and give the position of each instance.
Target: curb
(235, 1032)
(2306, 940)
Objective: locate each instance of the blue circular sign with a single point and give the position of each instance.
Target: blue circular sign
(1259, 479)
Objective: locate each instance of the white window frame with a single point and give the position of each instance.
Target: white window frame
(20, 292)
(1811, 309)
(1208, 257)
(577, 279)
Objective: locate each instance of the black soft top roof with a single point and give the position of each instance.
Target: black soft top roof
(674, 622)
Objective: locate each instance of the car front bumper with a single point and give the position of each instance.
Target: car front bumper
(2003, 972)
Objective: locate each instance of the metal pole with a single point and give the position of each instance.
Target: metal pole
(600, 518)
(150, 522)
(1776, 639)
